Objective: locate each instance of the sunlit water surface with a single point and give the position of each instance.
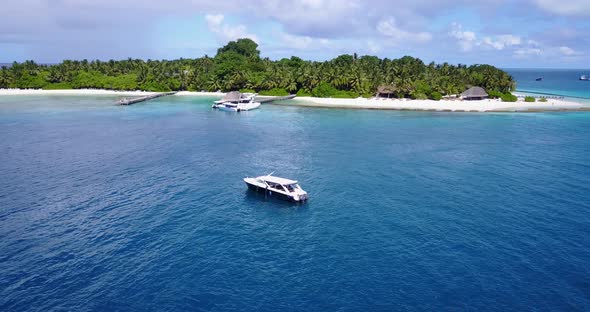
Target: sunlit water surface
(143, 208)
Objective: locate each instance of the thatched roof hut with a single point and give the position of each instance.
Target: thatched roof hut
(386, 91)
(232, 96)
(474, 93)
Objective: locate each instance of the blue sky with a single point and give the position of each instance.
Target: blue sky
(504, 33)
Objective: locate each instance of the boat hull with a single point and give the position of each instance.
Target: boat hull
(272, 194)
(228, 109)
(237, 108)
(248, 106)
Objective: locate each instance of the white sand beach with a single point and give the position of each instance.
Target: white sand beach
(73, 92)
(200, 93)
(98, 92)
(487, 105)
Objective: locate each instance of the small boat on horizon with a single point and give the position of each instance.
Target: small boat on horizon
(585, 77)
(236, 101)
(280, 188)
(539, 78)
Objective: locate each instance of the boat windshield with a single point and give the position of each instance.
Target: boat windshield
(275, 186)
(291, 187)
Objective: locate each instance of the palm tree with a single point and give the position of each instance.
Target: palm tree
(5, 78)
(346, 72)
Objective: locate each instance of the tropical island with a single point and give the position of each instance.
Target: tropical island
(239, 66)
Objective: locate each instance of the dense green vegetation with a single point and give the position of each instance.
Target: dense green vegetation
(505, 97)
(543, 99)
(493, 94)
(509, 97)
(238, 66)
(529, 99)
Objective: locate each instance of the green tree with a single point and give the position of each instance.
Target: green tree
(238, 65)
(245, 47)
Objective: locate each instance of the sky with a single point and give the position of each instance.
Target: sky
(504, 33)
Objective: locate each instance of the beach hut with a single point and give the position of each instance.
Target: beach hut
(385, 91)
(232, 96)
(474, 93)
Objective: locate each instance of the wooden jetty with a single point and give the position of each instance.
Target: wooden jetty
(134, 100)
(549, 97)
(268, 99)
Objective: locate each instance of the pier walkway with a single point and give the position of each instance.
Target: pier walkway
(135, 100)
(549, 97)
(268, 99)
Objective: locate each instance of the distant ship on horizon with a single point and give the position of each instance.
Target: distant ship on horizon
(585, 77)
(539, 79)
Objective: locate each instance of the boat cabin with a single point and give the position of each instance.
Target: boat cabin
(280, 184)
(279, 187)
(237, 97)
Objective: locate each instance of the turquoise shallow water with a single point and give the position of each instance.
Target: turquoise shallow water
(142, 208)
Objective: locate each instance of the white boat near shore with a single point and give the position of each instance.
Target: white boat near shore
(236, 101)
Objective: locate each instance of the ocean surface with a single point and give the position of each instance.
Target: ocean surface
(560, 82)
(143, 208)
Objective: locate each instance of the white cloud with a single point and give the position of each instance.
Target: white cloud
(390, 29)
(536, 49)
(34, 25)
(214, 20)
(502, 41)
(567, 51)
(373, 46)
(296, 42)
(226, 32)
(314, 18)
(302, 42)
(521, 48)
(467, 39)
(525, 52)
(312, 4)
(560, 7)
(533, 43)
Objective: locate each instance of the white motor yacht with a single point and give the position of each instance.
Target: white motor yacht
(280, 188)
(237, 102)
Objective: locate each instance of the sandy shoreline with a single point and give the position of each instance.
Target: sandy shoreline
(200, 93)
(443, 105)
(72, 92)
(487, 105)
(98, 92)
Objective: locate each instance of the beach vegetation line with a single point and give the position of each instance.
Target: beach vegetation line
(239, 66)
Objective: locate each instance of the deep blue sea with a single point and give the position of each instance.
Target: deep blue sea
(560, 82)
(143, 208)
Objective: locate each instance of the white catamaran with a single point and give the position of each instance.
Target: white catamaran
(237, 102)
